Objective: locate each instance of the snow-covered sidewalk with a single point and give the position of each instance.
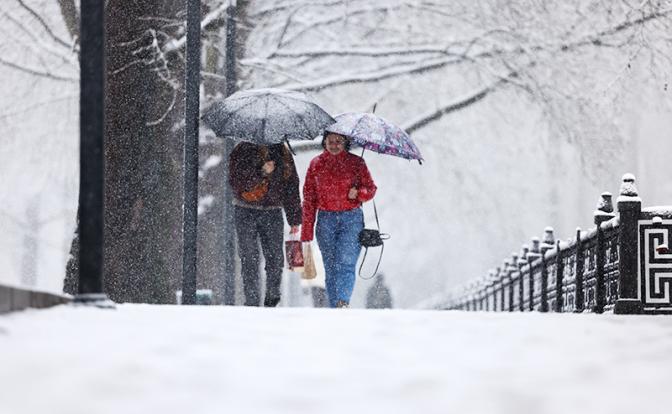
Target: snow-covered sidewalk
(169, 359)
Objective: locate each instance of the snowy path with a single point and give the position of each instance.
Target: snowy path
(168, 359)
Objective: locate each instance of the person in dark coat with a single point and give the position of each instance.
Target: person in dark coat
(378, 296)
(264, 182)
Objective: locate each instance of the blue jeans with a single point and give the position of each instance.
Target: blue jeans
(337, 235)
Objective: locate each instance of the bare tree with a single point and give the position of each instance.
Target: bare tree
(566, 57)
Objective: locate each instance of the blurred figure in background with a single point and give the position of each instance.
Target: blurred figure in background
(378, 296)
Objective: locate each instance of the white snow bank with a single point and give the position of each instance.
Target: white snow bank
(169, 359)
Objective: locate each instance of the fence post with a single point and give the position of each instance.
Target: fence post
(559, 276)
(511, 272)
(604, 212)
(493, 281)
(629, 208)
(534, 254)
(522, 262)
(483, 293)
(579, 298)
(546, 245)
(502, 277)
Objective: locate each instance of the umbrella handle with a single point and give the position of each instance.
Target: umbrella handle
(290, 146)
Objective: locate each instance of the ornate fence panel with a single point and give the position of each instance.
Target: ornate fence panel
(536, 278)
(611, 272)
(551, 280)
(655, 260)
(569, 279)
(590, 244)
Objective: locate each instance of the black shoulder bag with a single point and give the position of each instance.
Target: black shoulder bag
(372, 238)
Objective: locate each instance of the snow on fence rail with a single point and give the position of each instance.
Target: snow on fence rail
(622, 265)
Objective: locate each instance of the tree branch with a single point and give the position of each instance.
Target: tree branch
(21, 111)
(43, 24)
(365, 52)
(373, 76)
(288, 5)
(177, 44)
(324, 22)
(456, 105)
(34, 43)
(37, 72)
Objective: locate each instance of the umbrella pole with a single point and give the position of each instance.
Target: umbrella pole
(363, 149)
(290, 147)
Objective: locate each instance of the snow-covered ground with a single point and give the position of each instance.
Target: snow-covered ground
(170, 359)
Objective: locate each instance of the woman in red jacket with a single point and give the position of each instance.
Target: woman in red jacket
(337, 183)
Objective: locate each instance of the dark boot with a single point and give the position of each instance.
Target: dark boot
(271, 301)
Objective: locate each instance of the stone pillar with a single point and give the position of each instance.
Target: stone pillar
(521, 285)
(532, 256)
(579, 297)
(559, 275)
(493, 284)
(604, 212)
(503, 276)
(546, 245)
(629, 208)
(511, 273)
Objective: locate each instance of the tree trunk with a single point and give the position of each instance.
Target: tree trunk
(143, 171)
(70, 17)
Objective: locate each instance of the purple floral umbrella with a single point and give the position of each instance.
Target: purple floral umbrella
(374, 133)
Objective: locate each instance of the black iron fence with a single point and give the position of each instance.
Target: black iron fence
(622, 265)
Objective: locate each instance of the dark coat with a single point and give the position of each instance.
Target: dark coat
(245, 174)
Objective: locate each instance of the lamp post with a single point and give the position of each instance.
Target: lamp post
(91, 174)
(190, 207)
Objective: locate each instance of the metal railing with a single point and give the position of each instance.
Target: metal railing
(622, 265)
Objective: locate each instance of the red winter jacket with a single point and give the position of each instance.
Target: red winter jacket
(328, 181)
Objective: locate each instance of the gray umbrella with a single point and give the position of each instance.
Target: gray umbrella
(267, 116)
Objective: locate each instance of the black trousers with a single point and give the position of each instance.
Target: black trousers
(252, 226)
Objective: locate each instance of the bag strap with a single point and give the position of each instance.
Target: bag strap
(380, 258)
(383, 236)
(375, 211)
(356, 185)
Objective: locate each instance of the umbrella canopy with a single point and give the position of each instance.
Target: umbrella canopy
(376, 134)
(267, 116)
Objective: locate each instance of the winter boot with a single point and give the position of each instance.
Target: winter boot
(271, 301)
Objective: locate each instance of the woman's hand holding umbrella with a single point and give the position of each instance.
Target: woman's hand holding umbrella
(268, 167)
